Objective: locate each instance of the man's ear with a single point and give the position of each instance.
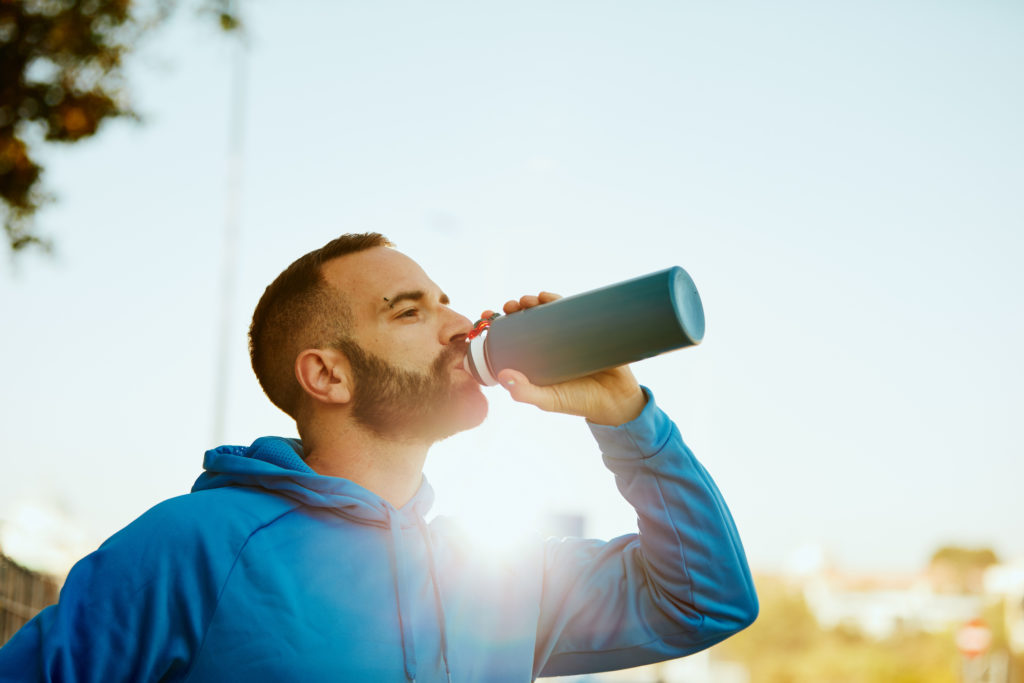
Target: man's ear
(324, 374)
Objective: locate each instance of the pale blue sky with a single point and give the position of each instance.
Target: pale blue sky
(842, 180)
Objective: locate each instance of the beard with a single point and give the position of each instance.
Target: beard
(406, 405)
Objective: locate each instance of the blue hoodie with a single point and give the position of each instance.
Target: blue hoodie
(269, 571)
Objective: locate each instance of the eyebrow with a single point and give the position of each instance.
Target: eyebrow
(412, 295)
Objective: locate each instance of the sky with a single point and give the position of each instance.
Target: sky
(841, 180)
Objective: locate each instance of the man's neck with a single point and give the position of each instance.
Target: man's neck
(391, 469)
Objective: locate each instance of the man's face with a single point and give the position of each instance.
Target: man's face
(405, 349)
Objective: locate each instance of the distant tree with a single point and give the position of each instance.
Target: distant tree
(968, 557)
(61, 79)
(960, 570)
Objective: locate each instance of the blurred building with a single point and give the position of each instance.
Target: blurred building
(23, 593)
(562, 524)
(881, 605)
(884, 605)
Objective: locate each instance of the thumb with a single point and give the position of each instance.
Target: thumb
(522, 390)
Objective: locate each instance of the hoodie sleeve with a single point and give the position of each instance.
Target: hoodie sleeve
(681, 585)
(130, 611)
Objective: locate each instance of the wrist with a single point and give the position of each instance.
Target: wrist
(621, 411)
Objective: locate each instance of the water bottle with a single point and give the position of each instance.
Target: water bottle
(585, 333)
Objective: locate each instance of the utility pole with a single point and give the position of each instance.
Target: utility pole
(232, 221)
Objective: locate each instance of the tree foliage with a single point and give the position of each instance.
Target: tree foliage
(961, 570)
(61, 80)
(965, 557)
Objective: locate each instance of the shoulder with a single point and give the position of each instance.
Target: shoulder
(231, 507)
(214, 524)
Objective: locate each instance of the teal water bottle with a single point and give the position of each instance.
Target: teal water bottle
(585, 333)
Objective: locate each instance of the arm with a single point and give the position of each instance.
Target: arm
(682, 584)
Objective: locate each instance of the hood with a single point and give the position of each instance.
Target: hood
(276, 464)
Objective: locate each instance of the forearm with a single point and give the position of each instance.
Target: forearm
(681, 585)
(691, 550)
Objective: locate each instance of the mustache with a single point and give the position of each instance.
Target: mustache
(451, 353)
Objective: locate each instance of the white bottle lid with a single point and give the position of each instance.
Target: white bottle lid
(475, 361)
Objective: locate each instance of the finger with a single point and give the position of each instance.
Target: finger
(487, 314)
(548, 297)
(511, 306)
(522, 390)
(529, 301)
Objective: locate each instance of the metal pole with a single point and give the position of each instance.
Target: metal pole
(232, 220)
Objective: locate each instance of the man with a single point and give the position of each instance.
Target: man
(311, 561)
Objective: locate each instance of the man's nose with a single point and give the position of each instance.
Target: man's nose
(456, 327)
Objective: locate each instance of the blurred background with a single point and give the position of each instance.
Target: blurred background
(842, 180)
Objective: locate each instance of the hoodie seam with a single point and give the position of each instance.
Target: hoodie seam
(224, 585)
(653, 641)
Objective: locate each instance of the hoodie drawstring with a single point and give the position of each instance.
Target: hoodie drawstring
(401, 581)
(437, 594)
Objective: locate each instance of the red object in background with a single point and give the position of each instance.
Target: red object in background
(974, 638)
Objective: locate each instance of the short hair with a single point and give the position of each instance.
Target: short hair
(300, 310)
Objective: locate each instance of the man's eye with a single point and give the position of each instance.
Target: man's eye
(408, 313)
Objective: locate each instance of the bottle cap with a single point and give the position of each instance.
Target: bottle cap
(475, 362)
